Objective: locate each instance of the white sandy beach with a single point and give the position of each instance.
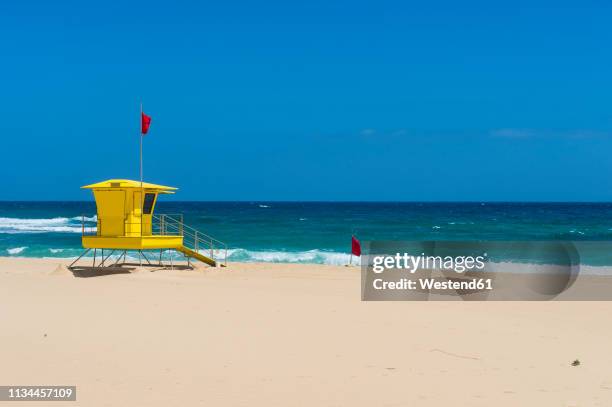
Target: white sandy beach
(289, 335)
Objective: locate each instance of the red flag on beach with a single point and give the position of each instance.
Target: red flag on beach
(355, 246)
(144, 123)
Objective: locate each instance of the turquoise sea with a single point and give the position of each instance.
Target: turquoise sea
(314, 232)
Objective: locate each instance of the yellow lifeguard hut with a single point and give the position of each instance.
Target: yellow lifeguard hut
(126, 222)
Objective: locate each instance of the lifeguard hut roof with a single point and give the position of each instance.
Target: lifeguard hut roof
(127, 183)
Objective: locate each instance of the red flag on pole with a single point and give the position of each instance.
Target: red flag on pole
(144, 123)
(355, 246)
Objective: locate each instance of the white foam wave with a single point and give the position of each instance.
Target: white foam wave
(50, 225)
(86, 219)
(264, 206)
(308, 256)
(16, 250)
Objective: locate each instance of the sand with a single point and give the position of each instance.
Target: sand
(289, 335)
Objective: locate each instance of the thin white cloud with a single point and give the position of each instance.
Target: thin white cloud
(529, 133)
(367, 132)
(514, 133)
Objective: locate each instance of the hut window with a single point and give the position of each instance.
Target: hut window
(147, 206)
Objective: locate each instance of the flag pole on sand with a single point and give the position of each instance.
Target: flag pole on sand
(355, 249)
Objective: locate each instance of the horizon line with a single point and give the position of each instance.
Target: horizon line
(325, 201)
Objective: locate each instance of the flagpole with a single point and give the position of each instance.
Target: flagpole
(351, 258)
(141, 186)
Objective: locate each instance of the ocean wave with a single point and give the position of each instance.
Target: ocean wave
(264, 206)
(49, 225)
(16, 250)
(304, 257)
(86, 219)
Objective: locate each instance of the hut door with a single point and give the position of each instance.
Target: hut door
(144, 217)
(147, 213)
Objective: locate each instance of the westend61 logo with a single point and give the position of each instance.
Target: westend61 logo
(485, 271)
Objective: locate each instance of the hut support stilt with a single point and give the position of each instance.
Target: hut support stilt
(79, 258)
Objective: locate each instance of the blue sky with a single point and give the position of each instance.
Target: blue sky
(317, 100)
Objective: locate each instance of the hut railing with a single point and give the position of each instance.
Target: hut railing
(173, 225)
(89, 227)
